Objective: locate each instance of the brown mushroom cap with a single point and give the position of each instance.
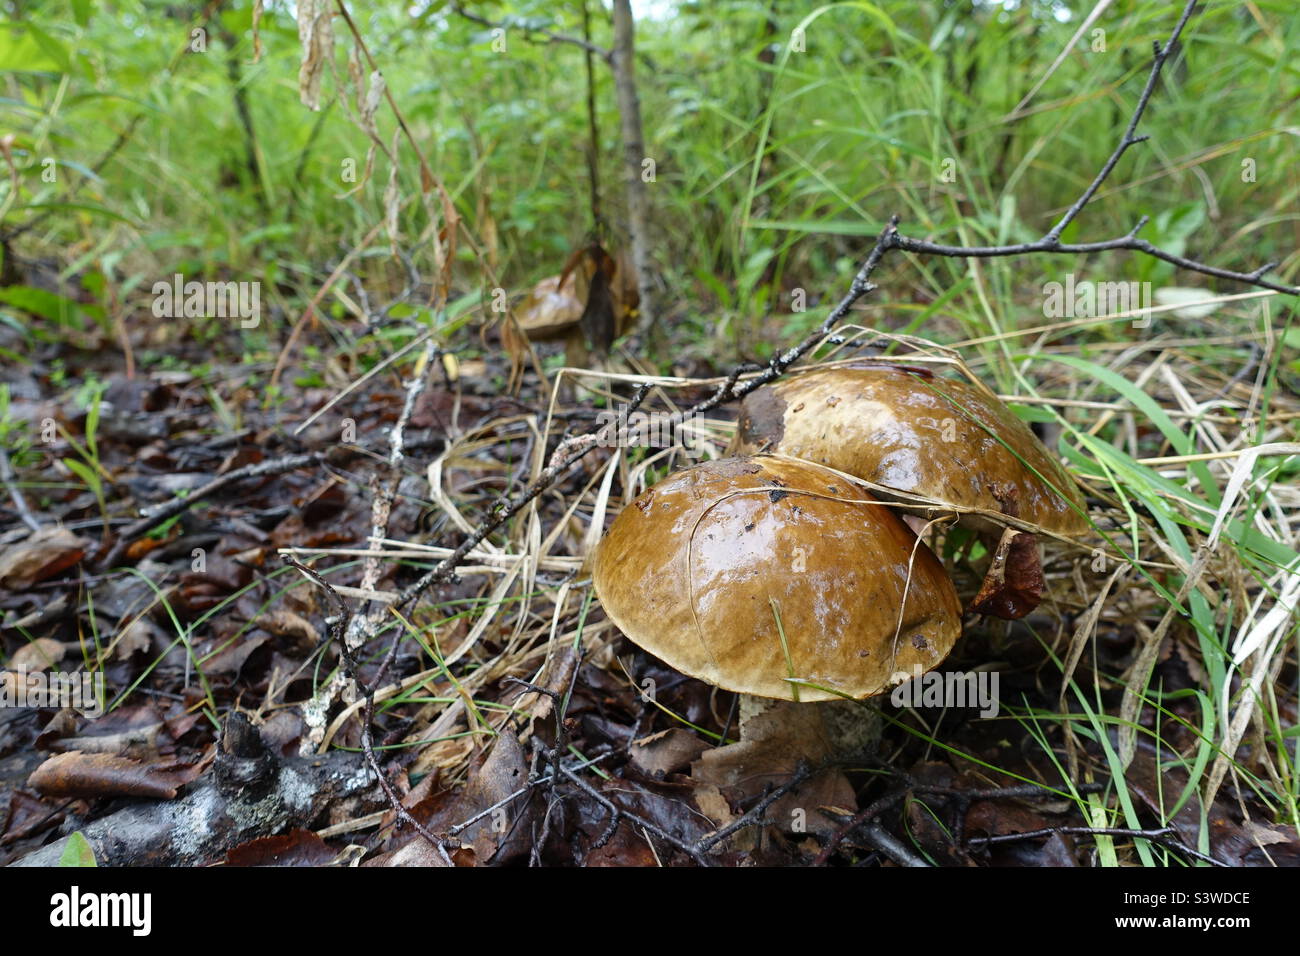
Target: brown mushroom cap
(912, 432)
(690, 569)
(550, 311)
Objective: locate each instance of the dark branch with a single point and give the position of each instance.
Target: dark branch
(754, 815)
(157, 515)
(1157, 64)
(1164, 836)
(866, 817)
(1129, 242)
(551, 35)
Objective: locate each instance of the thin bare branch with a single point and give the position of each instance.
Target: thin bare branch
(527, 28)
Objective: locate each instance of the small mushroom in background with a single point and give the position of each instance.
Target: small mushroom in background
(952, 444)
(587, 306)
(550, 311)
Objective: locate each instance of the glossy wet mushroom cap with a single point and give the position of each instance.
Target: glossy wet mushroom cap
(917, 433)
(700, 569)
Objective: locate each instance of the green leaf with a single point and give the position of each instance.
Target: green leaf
(1032, 413)
(47, 305)
(51, 47)
(84, 207)
(21, 51)
(274, 232)
(85, 473)
(78, 851)
(92, 425)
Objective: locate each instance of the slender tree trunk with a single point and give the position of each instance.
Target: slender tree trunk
(598, 231)
(638, 199)
(251, 149)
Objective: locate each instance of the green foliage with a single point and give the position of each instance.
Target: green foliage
(13, 434)
(77, 851)
(790, 160)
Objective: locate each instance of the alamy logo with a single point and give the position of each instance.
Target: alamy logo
(82, 691)
(618, 429)
(208, 300)
(1085, 299)
(75, 908)
(952, 689)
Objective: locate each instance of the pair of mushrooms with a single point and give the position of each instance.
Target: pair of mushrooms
(769, 573)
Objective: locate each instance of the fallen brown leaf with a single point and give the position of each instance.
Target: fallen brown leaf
(774, 740)
(78, 774)
(668, 751)
(295, 848)
(288, 624)
(42, 555)
(41, 654)
(1013, 585)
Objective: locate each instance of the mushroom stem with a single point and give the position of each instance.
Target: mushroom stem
(848, 728)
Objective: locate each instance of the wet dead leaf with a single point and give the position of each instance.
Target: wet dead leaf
(293, 626)
(28, 816)
(624, 848)
(137, 637)
(136, 732)
(418, 852)
(39, 655)
(231, 659)
(504, 834)
(987, 818)
(40, 556)
(669, 751)
(295, 848)
(550, 309)
(1013, 585)
(78, 774)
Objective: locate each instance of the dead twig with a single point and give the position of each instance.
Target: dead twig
(964, 798)
(617, 814)
(158, 514)
(338, 626)
(528, 29)
(567, 453)
(20, 503)
(891, 846)
(754, 815)
(1164, 836)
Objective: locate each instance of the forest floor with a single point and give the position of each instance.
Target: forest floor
(200, 618)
